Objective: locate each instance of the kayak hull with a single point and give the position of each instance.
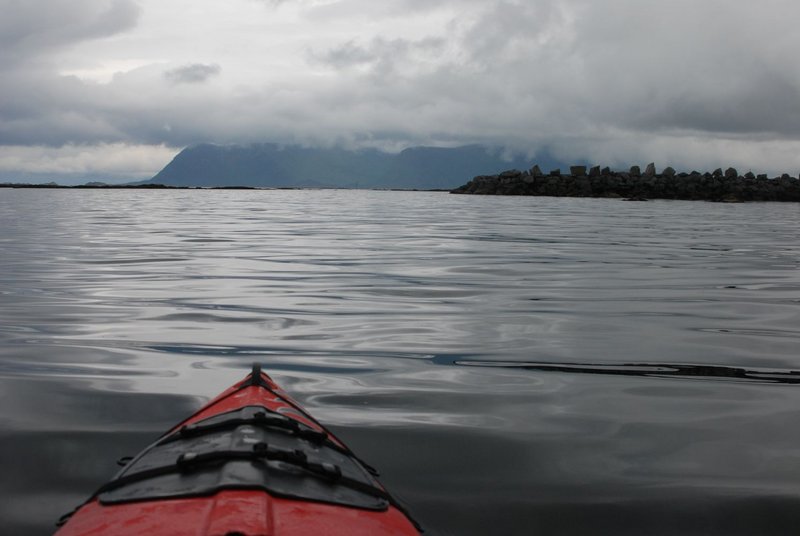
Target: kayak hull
(314, 486)
(248, 513)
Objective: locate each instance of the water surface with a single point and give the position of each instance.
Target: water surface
(512, 365)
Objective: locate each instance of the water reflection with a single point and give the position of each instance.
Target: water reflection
(473, 483)
(61, 439)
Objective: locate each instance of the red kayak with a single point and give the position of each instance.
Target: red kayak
(251, 462)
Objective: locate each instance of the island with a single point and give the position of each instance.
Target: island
(635, 185)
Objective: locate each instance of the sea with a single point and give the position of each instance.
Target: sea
(511, 365)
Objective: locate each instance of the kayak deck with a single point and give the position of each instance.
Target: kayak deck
(250, 462)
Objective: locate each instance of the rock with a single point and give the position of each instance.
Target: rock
(666, 185)
(650, 170)
(762, 176)
(605, 172)
(731, 173)
(635, 171)
(536, 172)
(577, 171)
(717, 173)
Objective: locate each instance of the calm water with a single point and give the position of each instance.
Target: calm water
(512, 365)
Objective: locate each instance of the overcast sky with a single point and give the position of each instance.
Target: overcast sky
(118, 87)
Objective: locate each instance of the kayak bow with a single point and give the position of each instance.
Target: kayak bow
(251, 462)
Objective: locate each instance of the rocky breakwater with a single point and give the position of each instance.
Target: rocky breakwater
(634, 184)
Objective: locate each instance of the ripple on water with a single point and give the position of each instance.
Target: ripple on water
(512, 365)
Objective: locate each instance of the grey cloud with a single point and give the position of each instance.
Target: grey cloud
(590, 79)
(33, 26)
(192, 74)
(379, 54)
(42, 108)
(517, 32)
(704, 66)
(763, 104)
(345, 55)
(370, 9)
(714, 67)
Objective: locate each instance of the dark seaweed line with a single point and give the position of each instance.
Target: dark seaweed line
(660, 370)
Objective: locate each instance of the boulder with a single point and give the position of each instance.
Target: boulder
(669, 172)
(635, 171)
(731, 173)
(594, 171)
(717, 173)
(555, 173)
(606, 171)
(511, 174)
(536, 172)
(577, 171)
(650, 170)
(749, 175)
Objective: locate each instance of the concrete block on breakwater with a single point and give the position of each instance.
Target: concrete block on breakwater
(718, 185)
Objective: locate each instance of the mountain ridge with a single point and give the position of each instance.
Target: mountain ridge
(274, 165)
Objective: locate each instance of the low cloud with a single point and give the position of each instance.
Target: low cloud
(114, 162)
(194, 73)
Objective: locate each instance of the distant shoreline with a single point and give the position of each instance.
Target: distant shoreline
(53, 186)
